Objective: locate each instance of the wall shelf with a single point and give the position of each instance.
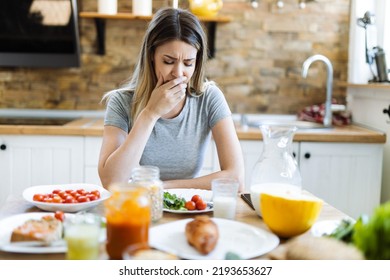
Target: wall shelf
(100, 22)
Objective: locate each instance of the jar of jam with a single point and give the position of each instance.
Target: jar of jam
(128, 215)
(149, 177)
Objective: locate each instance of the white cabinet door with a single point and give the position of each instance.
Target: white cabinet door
(346, 175)
(92, 152)
(367, 106)
(38, 160)
(251, 150)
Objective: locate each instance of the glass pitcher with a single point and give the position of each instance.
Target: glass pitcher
(276, 170)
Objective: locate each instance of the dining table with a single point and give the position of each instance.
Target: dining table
(15, 204)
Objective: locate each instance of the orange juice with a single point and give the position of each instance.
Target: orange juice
(128, 217)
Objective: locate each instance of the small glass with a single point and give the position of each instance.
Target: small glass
(225, 197)
(82, 233)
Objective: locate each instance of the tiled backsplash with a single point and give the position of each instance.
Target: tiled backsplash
(259, 55)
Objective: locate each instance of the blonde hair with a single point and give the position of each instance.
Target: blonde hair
(168, 24)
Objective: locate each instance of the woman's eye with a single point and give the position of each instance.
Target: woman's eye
(168, 62)
(188, 64)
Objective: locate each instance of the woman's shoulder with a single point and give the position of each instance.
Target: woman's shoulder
(119, 95)
(212, 91)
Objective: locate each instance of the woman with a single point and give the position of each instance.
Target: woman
(164, 115)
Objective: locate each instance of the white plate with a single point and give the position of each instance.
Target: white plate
(242, 239)
(187, 194)
(10, 223)
(65, 207)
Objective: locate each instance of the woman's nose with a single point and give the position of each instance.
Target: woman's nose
(178, 70)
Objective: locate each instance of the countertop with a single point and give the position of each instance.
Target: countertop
(94, 127)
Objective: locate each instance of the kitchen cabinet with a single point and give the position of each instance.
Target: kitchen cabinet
(370, 106)
(346, 175)
(28, 160)
(91, 154)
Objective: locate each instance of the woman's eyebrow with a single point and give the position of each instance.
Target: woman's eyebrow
(174, 58)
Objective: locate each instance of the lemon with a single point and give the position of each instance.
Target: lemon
(289, 215)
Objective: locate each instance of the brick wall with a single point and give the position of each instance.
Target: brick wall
(259, 56)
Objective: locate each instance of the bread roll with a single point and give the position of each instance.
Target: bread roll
(202, 233)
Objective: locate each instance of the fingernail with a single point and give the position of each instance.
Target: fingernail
(183, 78)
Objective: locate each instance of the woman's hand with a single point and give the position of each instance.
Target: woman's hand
(166, 96)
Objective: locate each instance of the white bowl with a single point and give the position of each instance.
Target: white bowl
(65, 207)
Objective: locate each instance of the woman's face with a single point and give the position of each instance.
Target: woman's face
(174, 59)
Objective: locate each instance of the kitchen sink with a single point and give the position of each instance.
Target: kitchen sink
(34, 121)
(256, 120)
(298, 124)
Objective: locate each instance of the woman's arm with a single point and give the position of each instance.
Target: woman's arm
(121, 152)
(229, 155)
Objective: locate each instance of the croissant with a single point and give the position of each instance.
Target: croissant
(202, 233)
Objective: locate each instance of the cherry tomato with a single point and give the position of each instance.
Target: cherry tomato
(73, 193)
(96, 193)
(59, 215)
(38, 197)
(57, 199)
(48, 200)
(70, 199)
(190, 205)
(82, 191)
(201, 205)
(195, 198)
(83, 198)
(63, 194)
(91, 197)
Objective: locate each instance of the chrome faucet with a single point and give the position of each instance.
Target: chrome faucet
(329, 83)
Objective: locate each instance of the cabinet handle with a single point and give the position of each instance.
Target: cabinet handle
(294, 155)
(307, 155)
(387, 111)
(3, 147)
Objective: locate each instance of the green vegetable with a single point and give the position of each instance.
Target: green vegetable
(173, 202)
(373, 237)
(343, 231)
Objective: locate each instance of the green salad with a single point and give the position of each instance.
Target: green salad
(173, 202)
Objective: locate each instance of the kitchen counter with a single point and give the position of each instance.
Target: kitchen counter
(94, 127)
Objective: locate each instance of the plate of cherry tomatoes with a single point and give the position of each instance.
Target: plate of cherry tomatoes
(67, 197)
(194, 201)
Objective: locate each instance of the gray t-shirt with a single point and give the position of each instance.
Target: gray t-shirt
(176, 146)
